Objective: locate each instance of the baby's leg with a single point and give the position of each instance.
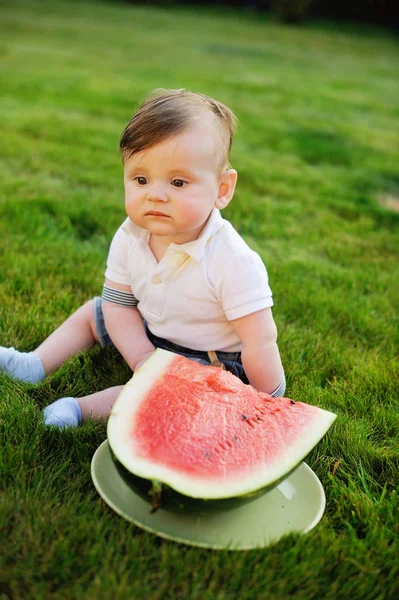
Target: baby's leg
(77, 333)
(99, 404)
(70, 412)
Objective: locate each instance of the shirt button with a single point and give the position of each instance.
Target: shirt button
(156, 280)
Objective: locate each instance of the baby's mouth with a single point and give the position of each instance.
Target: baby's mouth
(156, 213)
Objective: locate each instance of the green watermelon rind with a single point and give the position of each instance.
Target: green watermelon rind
(179, 503)
(188, 486)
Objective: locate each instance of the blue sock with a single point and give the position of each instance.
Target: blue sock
(25, 366)
(65, 412)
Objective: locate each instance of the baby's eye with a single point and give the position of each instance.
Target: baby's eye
(179, 183)
(140, 180)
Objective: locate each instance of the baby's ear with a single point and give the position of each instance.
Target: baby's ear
(227, 185)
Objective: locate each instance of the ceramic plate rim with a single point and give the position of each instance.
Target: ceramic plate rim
(98, 456)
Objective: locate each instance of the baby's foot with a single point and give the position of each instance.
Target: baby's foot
(25, 366)
(65, 412)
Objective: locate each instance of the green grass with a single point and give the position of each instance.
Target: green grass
(317, 154)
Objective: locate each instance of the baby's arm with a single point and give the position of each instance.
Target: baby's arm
(126, 329)
(260, 355)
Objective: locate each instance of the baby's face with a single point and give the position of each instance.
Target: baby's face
(171, 188)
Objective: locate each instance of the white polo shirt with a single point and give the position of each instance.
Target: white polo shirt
(190, 295)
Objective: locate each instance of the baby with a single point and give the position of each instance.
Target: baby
(178, 275)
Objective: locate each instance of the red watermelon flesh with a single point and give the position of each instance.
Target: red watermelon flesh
(212, 423)
(206, 434)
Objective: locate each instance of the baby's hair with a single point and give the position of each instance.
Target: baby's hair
(169, 112)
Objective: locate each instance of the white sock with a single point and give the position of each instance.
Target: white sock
(25, 366)
(65, 412)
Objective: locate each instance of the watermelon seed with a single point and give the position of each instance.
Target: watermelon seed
(245, 418)
(292, 401)
(258, 418)
(207, 454)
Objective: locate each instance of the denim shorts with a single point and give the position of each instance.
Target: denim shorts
(231, 360)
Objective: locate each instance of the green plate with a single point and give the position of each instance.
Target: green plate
(295, 505)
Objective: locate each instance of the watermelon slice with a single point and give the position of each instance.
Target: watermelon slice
(191, 437)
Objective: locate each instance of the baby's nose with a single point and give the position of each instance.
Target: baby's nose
(157, 193)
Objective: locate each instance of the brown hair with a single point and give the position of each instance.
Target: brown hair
(168, 112)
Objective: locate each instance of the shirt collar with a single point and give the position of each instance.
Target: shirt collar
(194, 249)
(134, 230)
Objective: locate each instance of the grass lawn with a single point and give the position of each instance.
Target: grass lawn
(318, 196)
